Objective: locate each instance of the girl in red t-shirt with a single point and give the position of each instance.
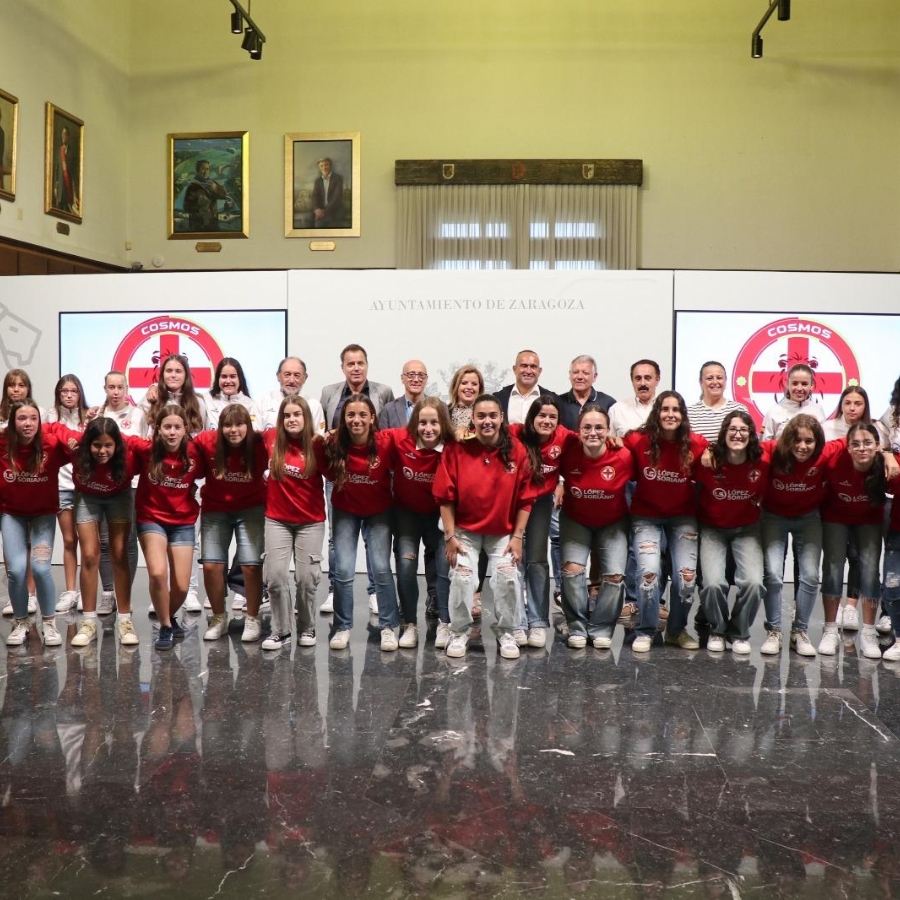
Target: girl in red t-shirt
(294, 522)
(594, 517)
(233, 507)
(166, 511)
(731, 491)
(663, 505)
(358, 458)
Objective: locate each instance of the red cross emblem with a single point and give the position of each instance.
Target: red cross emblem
(760, 370)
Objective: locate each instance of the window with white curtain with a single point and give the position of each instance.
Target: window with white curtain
(517, 226)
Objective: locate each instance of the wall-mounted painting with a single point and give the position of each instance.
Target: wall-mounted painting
(63, 165)
(9, 120)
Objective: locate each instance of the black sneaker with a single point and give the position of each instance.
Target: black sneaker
(178, 631)
(165, 640)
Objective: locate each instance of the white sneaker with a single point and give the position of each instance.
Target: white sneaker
(388, 640)
(252, 630)
(107, 604)
(238, 602)
(829, 643)
(884, 625)
(328, 606)
(66, 602)
(604, 642)
(33, 604)
(800, 643)
(771, 646)
(8, 610)
(456, 647)
(409, 636)
(741, 647)
(839, 617)
(850, 621)
(192, 603)
(642, 644)
(537, 637)
(892, 654)
(307, 638)
(127, 635)
(87, 634)
(509, 647)
(715, 643)
(52, 637)
(373, 604)
(520, 637)
(576, 641)
(79, 604)
(265, 607)
(340, 640)
(868, 643)
(207, 604)
(442, 636)
(217, 628)
(19, 634)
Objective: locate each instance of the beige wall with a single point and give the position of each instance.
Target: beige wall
(789, 162)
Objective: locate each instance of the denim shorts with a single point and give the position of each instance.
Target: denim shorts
(115, 508)
(66, 499)
(246, 526)
(176, 535)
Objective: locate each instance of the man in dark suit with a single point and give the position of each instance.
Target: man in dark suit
(396, 413)
(328, 196)
(516, 399)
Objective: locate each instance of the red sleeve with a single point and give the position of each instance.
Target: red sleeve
(206, 442)
(444, 487)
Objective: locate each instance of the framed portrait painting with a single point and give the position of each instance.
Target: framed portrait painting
(63, 165)
(9, 122)
(321, 184)
(209, 185)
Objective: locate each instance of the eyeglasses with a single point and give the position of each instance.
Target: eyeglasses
(415, 376)
(738, 432)
(862, 445)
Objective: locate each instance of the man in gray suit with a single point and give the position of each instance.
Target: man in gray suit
(355, 366)
(396, 414)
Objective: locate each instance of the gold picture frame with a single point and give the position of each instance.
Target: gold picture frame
(9, 127)
(311, 210)
(63, 165)
(209, 185)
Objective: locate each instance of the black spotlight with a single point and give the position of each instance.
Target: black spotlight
(784, 10)
(249, 41)
(237, 22)
(256, 49)
(756, 48)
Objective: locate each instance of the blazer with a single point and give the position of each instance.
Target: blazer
(379, 394)
(394, 414)
(505, 393)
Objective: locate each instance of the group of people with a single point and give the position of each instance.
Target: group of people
(627, 495)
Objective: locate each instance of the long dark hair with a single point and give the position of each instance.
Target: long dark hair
(36, 458)
(84, 459)
(876, 482)
(189, 403)
(21, 375)
(338, 446)
(234, 414)
(719, 449)
(57, 398)
(504, 443)
(682, 436)
(158, 448)
(532, 440)
(282, 441)
(854, 389)
(215, 390)
(783, 457)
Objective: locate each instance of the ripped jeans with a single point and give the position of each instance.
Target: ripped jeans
(17, 532)
(505, 586)
(892, 578)
(681, 534)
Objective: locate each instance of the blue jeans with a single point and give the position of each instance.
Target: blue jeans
(746, 547)
(806, 532)
(835, 541)
(537, 566)
(611, 543)
(376, 532)
(17, 532)
(410, 530)
(647, 536)
(555, 554)
(329, 490)
(892, 578)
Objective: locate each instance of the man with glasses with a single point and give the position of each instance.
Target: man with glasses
(396, 413)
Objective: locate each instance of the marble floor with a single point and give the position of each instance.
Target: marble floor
(219, 770)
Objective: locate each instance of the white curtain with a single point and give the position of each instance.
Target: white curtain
(517, 227)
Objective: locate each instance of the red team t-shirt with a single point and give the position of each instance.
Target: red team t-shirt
(171, 501)
(730, 496)
(595, 488)
(846, 501)
(236, 489)
(414, 471)
(367, 491)
(663, 490)
(26, 495)
(298, 498)
(551, 451)
(799, 492)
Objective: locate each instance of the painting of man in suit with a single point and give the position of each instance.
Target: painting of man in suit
(323, 179)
